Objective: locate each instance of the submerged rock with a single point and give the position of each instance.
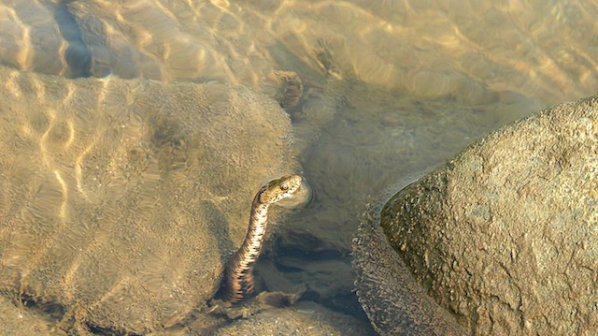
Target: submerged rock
(120, 201)
(20, 321)
(503, 237)
(42, 36)
(301, 319)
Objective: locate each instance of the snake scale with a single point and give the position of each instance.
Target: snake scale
(238, 282)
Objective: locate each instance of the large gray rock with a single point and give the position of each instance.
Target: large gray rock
(504, 236)
(120, 201)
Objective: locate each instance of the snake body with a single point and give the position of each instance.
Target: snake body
(239, 270)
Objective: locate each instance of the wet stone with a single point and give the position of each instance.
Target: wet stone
(302, 319)
(503, 236)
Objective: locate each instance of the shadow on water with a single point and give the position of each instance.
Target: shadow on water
(77, 55)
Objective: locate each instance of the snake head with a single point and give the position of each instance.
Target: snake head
(279, 189)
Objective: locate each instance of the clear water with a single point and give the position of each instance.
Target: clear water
(391, 88)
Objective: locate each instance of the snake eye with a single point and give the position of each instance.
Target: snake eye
(284, 187)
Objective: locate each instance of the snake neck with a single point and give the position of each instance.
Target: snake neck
(240, 268)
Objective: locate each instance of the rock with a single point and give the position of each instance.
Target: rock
(394, 302)
(504, 236)
(302, 319)
(42, 36)
(121, 200)
(20, 321)
(285, 87)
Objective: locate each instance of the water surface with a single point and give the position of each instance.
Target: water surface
(391, 88)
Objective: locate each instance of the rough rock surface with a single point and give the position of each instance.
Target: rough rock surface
(390, 296)
(504, 236)
(302, 319)
(20, 321)
(121, 200)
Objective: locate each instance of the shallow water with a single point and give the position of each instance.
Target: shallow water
(391, 88)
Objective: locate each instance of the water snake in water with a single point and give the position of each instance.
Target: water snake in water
(238, 281)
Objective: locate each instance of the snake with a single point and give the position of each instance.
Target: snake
(239, 281)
